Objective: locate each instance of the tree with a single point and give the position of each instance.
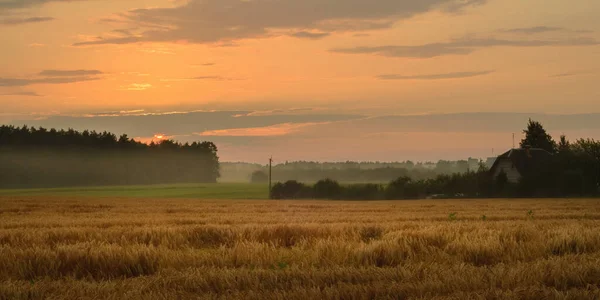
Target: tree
(259, 177)
(564, 145)
(501, 181)
(537, 137)
(589, 150)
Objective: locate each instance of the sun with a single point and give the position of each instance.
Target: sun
(159, 136)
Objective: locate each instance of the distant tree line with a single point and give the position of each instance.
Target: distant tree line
(39, 157)
(472, 184)
(573, 170)
(347, 172)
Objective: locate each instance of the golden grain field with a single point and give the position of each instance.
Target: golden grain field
(86, 248)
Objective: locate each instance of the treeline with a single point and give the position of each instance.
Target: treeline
(39, 157)
(546, 182)
(476, 184)
(349, 172)
(571, 170)
(379, 175)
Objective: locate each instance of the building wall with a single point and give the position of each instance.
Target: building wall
(511, 171)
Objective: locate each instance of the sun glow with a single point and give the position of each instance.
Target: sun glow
(159, 136)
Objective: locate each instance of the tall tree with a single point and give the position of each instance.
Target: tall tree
(564, 145)
(537, 137)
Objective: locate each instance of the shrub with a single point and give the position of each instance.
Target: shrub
(291, 189)
(277, 191)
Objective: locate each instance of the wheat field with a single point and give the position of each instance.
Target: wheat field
(132, 248)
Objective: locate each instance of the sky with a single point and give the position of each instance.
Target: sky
(383, 80)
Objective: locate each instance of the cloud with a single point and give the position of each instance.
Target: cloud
(212, 21)
(213, 78)
(453, 75)
(274, 130)
(19, 21)
(573, 73)
(136, 87)
(310, 35)
(217, 78)
(17, 4)
(24, 93)
(53, 77)
(202, 65)
(147, 123)
(420, 51)
(116, 41)
(61, 73)
(564, 75)
(461, 46)
(302, 110)
(6, 82)
(534, 30)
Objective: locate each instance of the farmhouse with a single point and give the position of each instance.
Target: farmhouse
(516, 163)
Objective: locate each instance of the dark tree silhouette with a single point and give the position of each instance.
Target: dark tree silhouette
(39, 157)
(537, 137)
(563, 145)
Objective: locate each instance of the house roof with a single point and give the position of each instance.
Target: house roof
(524, 159)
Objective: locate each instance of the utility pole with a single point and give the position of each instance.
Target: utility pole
(270, 173)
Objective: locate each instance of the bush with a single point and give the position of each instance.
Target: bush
(277, 191)
(291, 189)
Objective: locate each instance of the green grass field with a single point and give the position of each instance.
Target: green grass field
(199, 191)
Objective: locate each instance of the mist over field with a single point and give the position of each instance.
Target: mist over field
(37, 157)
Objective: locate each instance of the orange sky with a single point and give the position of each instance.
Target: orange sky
(367, 57)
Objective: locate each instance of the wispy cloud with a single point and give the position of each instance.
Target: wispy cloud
(6, 82)
(158, 50)
(276, 112)
(310, 35)
(136, 87)
(573, 73)
(274, 130)
(20, 21)
(219, 78)
(53, 77)
(534, 29)
(62, 73)
(207, 77)
(213, 21)
(116, 41)
(462, 46)
(202, 65)
(23, 93)
(564, 75)
(17, 4)
(454, 75)
(135, 74)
